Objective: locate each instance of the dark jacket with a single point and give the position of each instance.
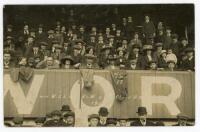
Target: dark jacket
(138, 123)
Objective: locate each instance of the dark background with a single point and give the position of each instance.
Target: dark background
(177, 16)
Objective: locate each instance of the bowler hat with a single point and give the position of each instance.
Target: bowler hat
(142, 110)
(103, 111)
(65, 108)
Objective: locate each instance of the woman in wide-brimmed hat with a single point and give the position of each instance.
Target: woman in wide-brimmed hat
(67, 62)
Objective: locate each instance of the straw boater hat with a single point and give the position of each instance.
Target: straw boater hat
(93, 116)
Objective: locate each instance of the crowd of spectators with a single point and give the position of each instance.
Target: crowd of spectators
(117, 46)
(66, 118)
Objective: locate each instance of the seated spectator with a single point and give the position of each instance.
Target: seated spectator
(171, 65)
(67, 62)
(189, 62)
(112, 62)
(47, 63)
(162, 61)
(89, 62)
(171, 56)
(148, 57)
(152, 65)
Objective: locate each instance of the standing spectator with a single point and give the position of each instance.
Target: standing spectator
(148, 28)
(167, 39)
(175, 45)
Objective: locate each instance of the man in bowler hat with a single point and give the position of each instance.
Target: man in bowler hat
(103, 115)
(142, 120)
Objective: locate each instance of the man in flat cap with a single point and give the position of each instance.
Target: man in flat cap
(103, 116)
(39, 121)
(103, 57)
(112, 122)
(55, 122)
(157, 52)
(189, 63)
(142, 121)
(182, 120)
(18, 121)
(68, 119)
(93, 120)
(122, 122)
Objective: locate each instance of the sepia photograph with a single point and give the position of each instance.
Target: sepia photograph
(98, 65)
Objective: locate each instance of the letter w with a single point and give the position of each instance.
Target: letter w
(24, 104)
